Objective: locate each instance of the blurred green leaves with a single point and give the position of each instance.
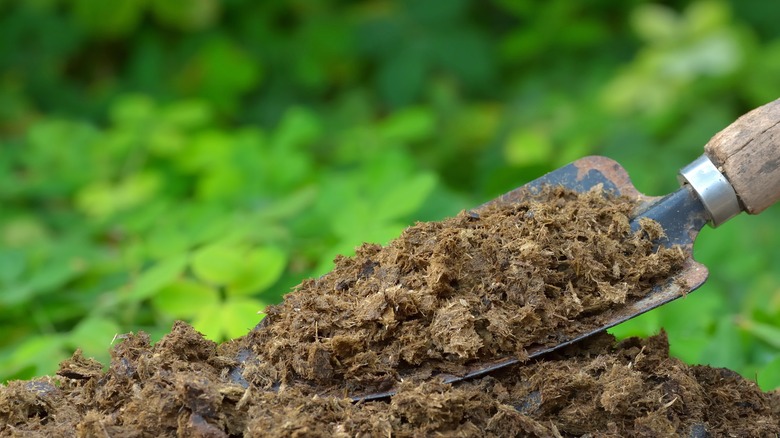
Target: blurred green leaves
(169, 217)
(681, 49)
(411, 41)
(219, 71)
(769, 376)
(124, 16)
(187, 15)
(240, 271)
(194, 160)
(155, 278)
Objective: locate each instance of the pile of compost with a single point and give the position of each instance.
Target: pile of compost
(476, 287)
(443, 296)
(180, 387)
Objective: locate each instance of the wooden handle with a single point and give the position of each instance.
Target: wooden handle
(747, 152)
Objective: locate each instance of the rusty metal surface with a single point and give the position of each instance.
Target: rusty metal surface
(581, 175)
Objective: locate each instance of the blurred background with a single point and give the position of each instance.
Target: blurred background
(196, 159)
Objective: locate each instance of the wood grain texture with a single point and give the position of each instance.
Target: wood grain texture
(747, 152)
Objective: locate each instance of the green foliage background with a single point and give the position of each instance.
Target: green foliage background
(196, 159)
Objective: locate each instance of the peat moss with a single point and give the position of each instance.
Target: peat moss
(597, 387)
(441, 296)
(470, 288)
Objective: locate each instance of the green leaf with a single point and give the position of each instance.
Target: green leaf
(769, 376)
(767, 333)
(401, 77)
(184, 299)
(187, 114)
(351, 219)
(102, 199)
(209, 322)
(218, 264)
(688, 346)
(166, 241)
(298, 128)
(408, 125)
(109, 18)
(186, 14)
(93, 335)
(12, 264)
(208, 149)
(42, 353)
(23, 231)
(53, 274)
(203, 223)
(643, 325)
(240, 315)
(528, 147)
(291, 205)
(152, 280)
(656, 23)
(689, 321)
(259, 269)
(725, 349)
(325, 262)
(166, 140)
(404, 198)
(230, 319)
(132, 110)
(220, 71)
(220, 183)
(467, 54)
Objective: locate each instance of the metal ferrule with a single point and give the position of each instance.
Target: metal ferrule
(713, 189)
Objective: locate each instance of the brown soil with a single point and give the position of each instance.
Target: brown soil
(179, 387)
(442, 296)
(468, 289)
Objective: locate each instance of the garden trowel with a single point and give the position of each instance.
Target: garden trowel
(739, 171)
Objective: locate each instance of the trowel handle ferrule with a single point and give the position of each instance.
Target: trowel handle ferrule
(713, 189)
(746, 155)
